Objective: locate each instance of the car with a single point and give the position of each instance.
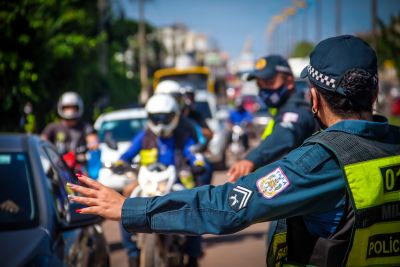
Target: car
(116, 130)
(39, 226)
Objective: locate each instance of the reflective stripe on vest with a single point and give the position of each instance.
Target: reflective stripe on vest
(148, 156)
(271, 123)
(376, 240)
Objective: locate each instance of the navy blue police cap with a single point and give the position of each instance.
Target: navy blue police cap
(332, 58)
(267, 67)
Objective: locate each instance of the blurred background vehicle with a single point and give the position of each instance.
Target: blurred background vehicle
(197, 77)
(206, 105)
(116, 130)
(38, 224)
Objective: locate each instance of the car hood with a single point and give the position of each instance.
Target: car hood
(18, 247)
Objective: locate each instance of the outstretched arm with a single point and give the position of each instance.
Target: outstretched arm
(283, 189)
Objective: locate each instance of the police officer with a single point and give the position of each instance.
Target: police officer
(292, 122)
(339, 191)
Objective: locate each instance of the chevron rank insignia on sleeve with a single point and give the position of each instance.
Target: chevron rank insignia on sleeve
(239, 197)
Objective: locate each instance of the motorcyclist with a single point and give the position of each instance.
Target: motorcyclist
(70, 134)
(189, 111)
(160, 142)
(240, 116)
(191, 119)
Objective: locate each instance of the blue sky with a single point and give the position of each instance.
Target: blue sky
(231, 22)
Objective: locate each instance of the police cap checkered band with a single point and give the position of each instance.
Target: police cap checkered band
(332, 58)
(321, 78)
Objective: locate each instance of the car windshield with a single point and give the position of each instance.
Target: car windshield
(121, 130)
(203, 108)
(17, 201)
(196, 81)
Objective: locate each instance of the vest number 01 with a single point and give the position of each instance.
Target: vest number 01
(391, 177)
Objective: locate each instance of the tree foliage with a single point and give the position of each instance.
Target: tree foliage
(388, 45)
(52, 46)
(302, 49)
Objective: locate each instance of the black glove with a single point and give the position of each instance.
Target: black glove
(119, 167)
(197, 170)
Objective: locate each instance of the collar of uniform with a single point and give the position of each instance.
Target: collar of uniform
(377, 128)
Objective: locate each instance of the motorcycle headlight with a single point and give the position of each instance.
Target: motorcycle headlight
(156, 189)
(107, 164)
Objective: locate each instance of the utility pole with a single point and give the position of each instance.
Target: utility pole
(305, 24)
(318, 16)
(144, 93)
(374, 25)
(338, 17)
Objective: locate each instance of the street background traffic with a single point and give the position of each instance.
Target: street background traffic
(114, 54)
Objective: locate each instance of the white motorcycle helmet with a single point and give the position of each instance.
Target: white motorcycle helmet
(163, 113)
(70, 99)
(168, 87)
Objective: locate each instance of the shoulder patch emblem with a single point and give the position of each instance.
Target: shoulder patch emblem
(290, 117)
(239, 197)
(273, 183)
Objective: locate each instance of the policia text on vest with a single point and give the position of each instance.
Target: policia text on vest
(387, 244)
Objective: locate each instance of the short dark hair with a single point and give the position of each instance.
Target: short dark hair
(360, 88)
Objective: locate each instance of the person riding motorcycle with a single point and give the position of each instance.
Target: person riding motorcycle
(70, 134)
(189, 111)
(192, 119)
(163, 141)
(240, 116)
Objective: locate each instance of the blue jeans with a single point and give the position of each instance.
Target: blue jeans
(131, 248)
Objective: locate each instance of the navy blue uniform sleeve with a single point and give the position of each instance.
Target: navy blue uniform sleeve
(134, 148)
(290, 130)
(307, 181)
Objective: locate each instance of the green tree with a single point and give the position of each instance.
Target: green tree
(388, 45)
(302, 49)
(52, 46)
(48, 46)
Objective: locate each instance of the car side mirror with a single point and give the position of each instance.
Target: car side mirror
(75, 220)
(110, 142)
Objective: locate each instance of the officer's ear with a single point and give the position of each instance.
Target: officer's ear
(314, 98)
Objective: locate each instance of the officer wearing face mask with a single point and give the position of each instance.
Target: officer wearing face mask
(291, 123)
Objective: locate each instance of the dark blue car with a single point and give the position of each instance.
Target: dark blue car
(38, 224)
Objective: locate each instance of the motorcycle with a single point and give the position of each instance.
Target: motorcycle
(160, 249)
(76, 160)
(117, 176)
(238, 146)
